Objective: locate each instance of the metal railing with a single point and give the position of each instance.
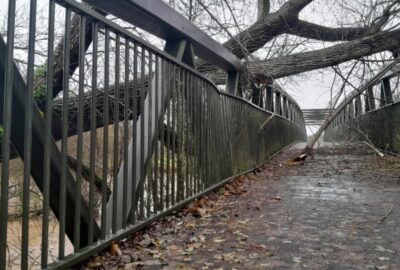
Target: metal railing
(380, 92)
(122, 134)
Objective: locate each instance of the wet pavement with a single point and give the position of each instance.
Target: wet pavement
(339, 210)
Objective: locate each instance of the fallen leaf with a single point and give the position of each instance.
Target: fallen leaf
(195, 245)
(244, 222)
(115, 249)
(216, 240)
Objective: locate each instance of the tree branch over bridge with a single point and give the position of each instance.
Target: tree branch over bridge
(354, 43)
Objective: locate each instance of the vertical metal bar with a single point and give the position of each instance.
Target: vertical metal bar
(179, 179)
(206, 130)
(207, 133)
(192, 133)
(116, 133)
(168, 148)
(199, 98)
(369, 100)
(202, 148)
(77, 225)
(149, 137)
(157, 182)
(142, 127)
(182, 132)
(134, 134)
(126, 135)
(8, 92)
(199, 105)
(47, 148)
(28, 137)
(93, 134)
(64, 142)
(232, 82)
(196, 134)
(358, 106)
(387, 91)
(186, 112)
(174, 104)
(164, 73)
(210, 176)
(351, 110)
(106, 116)
(383, 97)
(209, 129)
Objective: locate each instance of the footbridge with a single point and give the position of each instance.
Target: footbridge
(108, 135)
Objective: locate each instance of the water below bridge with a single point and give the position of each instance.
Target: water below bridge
(339, 210)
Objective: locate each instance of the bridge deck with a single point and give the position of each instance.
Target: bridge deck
(338, 211)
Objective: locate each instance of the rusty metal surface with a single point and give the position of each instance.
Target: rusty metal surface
(338, 211)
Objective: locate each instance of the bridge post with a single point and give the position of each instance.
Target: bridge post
(344, 115)
(284, 106)
(358, 106)
(269, 99)
(369, 100)
(232, 82)
(257, 95)
(386, 92)
(351, 111)
(278, 105)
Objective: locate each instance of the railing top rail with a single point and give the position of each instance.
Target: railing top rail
(159, 19)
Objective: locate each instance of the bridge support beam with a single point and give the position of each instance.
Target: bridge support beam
(139, 150)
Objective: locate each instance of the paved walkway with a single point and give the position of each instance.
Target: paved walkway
(338, 211)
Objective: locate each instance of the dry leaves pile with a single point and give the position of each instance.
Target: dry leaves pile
(175, 241)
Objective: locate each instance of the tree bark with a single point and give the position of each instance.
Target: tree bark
(58, 68)
(343, 52)
(261, 32)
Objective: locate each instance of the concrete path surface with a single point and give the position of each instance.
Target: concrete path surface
(340, 210)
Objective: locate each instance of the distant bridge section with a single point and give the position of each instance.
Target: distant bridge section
(315, 117)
